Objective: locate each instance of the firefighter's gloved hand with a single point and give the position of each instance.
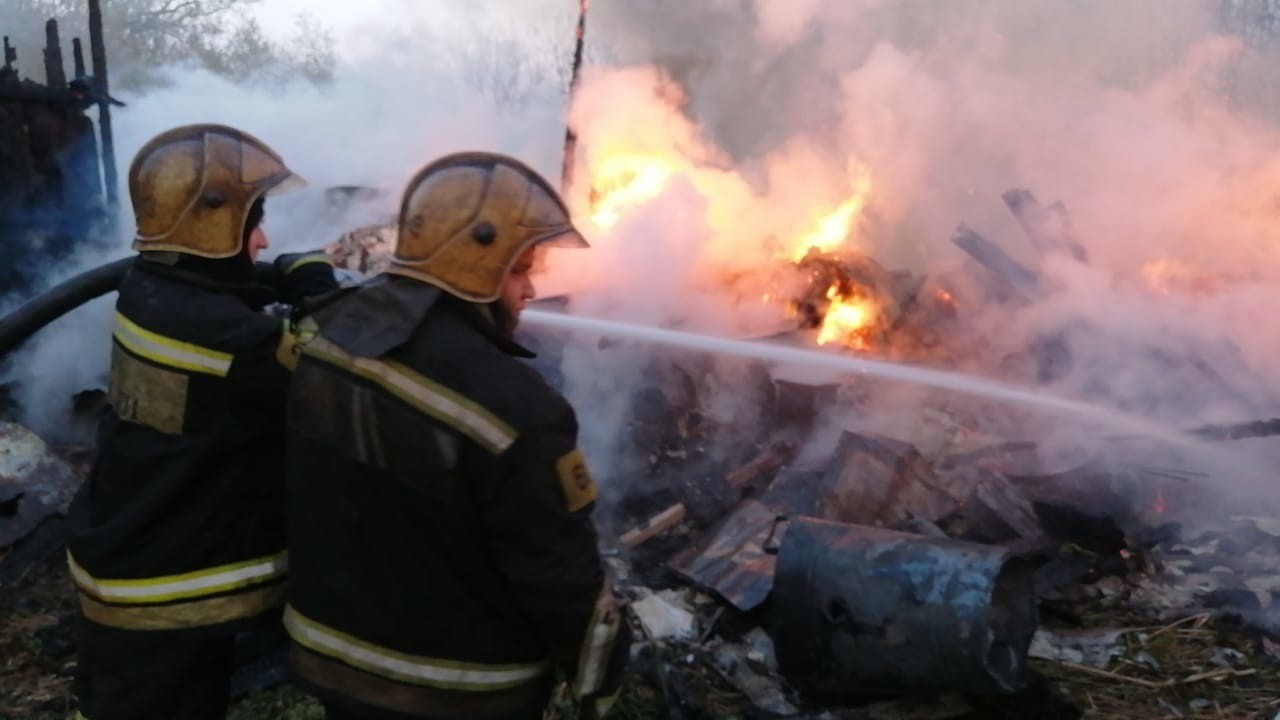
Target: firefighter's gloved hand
(289, 263)
(301, 275)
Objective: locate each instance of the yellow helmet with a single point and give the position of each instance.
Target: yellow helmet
(466, 218)
(192, 188)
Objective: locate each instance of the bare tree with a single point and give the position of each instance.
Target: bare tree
(144, 36)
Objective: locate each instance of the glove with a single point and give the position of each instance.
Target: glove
(301, 275)
(290, 262)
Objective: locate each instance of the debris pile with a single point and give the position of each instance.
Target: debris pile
(820, 560)
(957, 561)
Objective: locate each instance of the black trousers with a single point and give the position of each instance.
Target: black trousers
(136, 675)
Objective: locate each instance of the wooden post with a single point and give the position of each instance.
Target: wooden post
(570, 136)
(54, 75)
(101, 88)
(77, 54)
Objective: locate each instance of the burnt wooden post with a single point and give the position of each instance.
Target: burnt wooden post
(570, 135)
(54, 75)
(10, 55)
(997, 261)
(101, 88)
(1049, 230)
(77, 54)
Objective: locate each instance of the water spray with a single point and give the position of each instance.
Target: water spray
(1118, 422)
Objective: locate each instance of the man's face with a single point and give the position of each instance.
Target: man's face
(257, 242)
(517, 287)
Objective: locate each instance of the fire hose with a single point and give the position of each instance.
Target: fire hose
(57, 301)
(34, 314)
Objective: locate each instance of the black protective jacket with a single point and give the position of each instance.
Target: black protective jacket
(444, 559)
(180, 524)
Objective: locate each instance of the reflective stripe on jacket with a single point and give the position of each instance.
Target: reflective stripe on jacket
(443, 558)
(180, 524)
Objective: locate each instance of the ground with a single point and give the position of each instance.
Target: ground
(1165, 670)
(37, 660)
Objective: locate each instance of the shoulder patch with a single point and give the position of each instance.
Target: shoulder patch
(579, 488)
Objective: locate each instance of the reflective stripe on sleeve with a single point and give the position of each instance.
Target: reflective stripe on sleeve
(168, 351)
(414, 669)
(465, 415)
(167, 588)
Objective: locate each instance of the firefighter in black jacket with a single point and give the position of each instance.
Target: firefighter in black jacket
(178, 532)
(444, 559)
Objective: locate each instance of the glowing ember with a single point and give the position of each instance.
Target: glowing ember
(847, 322)
(624, 180)
(833, 229)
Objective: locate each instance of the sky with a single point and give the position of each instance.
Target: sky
(353, 23)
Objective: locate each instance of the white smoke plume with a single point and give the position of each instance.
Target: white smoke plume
(415, 80)
(1150, 120)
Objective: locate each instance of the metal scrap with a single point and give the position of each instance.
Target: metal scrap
(862, 609)
(734, 559)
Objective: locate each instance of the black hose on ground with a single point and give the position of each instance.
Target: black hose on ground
(57, 301)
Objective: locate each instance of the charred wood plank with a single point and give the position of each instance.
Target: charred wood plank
(1012, 272)
(747, 480)
(1060, 221)
(1241, 431)
(1049, 230)
(654, 526)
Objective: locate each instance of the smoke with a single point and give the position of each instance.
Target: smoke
(1146, 119)
(415, 80)
(1152, 123)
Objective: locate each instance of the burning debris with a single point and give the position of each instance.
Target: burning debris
(805, 580)
(803, 541)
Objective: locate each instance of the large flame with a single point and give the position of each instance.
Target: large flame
(625, 180)
(833, 229)
(848, 320)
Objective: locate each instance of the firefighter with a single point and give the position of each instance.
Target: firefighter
(444, 558)
(178, 532)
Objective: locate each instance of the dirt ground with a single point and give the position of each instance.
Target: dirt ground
(1197, 669)
(37, 660)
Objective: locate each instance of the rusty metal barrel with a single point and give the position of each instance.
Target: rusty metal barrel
(859, 609)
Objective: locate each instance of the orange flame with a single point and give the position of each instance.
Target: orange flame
(847, 321)
(833, 229)
(622, 181)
